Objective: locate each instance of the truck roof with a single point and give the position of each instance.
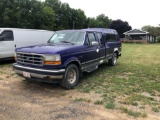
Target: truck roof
(103, 30)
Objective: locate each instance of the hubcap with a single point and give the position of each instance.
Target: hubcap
(72, 76)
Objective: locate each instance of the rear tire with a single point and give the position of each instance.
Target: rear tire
(113, 60)
(71, 77)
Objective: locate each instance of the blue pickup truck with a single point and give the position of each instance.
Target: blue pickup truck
(67, 55)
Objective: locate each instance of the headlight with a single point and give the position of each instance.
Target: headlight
(52, 59)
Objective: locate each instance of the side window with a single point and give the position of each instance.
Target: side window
(8, 35)
(107, 37)
(110, 37)
(90, 38)
(113, 37)
(99, 35)
(117, 37)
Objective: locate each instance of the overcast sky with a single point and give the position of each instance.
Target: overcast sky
(136, 12)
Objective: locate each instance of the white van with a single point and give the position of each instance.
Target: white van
(11, 38)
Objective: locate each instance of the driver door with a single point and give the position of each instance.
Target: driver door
(91, 52)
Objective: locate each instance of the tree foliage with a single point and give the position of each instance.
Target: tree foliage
(155, 31)
(101, 21)
(158, 39)
(120, 26)
(49, 15)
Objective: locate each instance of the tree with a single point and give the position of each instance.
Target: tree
(31, 14)
(158, 39)
(155, 31)
(64, 13)
(103, 21)
(48, 19)
(92, 23)
(58, 8)
(51, 15)
(120, 26)
(78, 19)
(8, 13)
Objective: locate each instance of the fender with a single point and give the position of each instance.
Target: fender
(115, 49)
(72, 59)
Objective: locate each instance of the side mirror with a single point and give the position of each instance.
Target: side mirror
(1, 38)
(95, 43)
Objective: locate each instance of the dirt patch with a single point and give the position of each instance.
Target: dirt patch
(22, 100)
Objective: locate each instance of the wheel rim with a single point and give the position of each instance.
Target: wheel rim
(72, 76)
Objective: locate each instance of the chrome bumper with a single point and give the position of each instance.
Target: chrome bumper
(39, 73)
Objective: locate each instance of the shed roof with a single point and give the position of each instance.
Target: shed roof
(136, 32)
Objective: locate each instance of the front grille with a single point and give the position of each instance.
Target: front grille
(30, 58)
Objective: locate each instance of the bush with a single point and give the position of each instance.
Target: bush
(158, 39)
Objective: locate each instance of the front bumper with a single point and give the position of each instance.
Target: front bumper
(39, 74)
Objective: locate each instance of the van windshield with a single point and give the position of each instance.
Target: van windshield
(69, 36)
(0, 30)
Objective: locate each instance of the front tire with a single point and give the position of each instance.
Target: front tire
(71, 77)
(113, 60)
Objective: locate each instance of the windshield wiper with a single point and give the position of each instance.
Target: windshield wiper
(67, 42)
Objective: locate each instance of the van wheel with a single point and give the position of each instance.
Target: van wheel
(71, 77)
(113, 60)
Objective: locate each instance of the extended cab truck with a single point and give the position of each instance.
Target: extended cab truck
(11, 38)
(67, 55)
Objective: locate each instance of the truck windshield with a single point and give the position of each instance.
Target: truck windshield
(72, 37)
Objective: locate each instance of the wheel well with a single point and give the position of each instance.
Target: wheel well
(78, 65)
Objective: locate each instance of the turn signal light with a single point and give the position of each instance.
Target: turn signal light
(52, 62)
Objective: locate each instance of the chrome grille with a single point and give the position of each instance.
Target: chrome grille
(30, 58)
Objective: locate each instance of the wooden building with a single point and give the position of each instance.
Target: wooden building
(136, 35)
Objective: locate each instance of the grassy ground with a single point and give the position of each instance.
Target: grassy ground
(133, 86)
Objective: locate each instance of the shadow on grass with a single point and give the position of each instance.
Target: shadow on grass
(101, 69)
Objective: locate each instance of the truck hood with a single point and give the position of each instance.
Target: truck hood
(51, 49)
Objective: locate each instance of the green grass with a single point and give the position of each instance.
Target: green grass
(110, 105)
(155, 109)
(82, 99)
(98, 102)
(133, 113)
(135, 81)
